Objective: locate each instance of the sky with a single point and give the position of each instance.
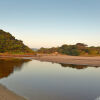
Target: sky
(48, 23)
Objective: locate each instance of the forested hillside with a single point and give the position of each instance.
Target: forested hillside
(10, 44)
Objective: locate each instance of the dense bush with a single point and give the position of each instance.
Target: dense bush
(8, 43)
(74, 50)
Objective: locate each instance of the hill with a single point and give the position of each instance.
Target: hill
(10, 44)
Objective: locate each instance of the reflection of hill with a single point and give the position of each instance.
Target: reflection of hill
(7, 66)
(76, 66)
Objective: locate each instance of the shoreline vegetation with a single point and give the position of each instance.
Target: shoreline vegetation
(78, 49)
(10, 45)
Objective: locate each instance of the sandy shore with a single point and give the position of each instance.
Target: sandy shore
(6, 94)
(91, 61)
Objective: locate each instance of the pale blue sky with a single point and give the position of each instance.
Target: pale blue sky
(52, 22)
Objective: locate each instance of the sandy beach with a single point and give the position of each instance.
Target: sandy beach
(6, 94)
(64, 59)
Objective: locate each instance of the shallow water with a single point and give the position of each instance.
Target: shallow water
(37, 80)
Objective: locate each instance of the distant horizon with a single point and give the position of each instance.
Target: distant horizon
(51, 23)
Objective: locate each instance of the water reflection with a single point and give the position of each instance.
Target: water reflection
(46, 81)
(77, 66)
(7, 66)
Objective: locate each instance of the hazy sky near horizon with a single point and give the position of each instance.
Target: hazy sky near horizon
(47, 23)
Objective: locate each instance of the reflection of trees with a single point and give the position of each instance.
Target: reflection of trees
(7, 66)
(77, 66)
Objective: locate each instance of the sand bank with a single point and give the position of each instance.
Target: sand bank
(91, 61)
(6, 94)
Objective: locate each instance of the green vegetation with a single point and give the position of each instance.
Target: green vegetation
(8, 44)
(74, 50)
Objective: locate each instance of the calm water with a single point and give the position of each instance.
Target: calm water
(37, 80)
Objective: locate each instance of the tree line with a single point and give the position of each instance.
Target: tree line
(73, 50)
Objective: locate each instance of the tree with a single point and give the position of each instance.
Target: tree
(8, 43)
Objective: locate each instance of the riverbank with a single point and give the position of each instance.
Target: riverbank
(2, 55)
(16, 56)
(64, 59)
(6, 94)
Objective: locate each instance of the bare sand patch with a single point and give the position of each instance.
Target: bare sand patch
(91, 61)
(6, 94)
